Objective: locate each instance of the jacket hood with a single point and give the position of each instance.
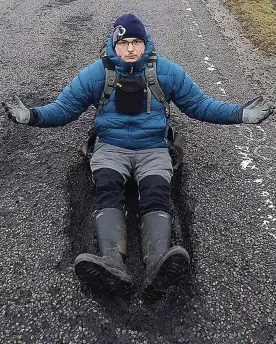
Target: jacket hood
(125, 67)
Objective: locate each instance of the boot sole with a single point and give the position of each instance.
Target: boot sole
(170, 269)
(102, 277)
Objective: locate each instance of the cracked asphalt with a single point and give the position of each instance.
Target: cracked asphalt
(223, 196)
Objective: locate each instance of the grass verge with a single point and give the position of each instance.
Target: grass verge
(258, 18)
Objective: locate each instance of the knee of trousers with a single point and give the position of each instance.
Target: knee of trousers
(154, 191)
(109, 189)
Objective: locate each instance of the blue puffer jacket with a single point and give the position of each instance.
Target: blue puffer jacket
(143, 130)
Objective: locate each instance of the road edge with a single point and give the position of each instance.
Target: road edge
(258, 67)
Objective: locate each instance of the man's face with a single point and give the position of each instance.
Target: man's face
(130, 49)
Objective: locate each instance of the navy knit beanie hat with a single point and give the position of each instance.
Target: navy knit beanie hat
(128, 26)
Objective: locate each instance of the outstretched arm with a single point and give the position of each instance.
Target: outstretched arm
(191, 100)
(70, 104)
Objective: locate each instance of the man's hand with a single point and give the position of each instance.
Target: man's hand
(18, 113)
(253, 114)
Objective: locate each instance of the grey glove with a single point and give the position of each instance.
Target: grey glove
(18, 113)
(253, 114)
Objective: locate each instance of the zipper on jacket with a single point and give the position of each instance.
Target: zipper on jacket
(131, 69)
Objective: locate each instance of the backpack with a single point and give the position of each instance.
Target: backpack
(153, 87)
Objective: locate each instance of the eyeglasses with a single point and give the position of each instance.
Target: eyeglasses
(135, 43)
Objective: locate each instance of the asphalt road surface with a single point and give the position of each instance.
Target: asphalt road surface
(223, 196)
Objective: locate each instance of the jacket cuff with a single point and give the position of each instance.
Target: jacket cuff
(239, 114)
(34, 118)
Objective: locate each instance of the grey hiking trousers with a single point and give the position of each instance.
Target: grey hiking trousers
(151, 168)
(131, 163)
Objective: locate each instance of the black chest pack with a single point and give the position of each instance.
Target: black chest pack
(130, 94)
(132, 91)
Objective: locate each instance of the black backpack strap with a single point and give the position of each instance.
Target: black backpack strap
(153, 84)
(175, 139)
(154, 87)
(87, 148)
(110, 82)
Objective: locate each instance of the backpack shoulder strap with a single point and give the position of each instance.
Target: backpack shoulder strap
(153, 84)
(155, 88)
(110, 82)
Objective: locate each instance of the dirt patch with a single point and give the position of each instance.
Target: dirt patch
(258, 19)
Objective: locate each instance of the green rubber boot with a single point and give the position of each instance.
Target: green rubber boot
(108, 271)
(164, 265)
